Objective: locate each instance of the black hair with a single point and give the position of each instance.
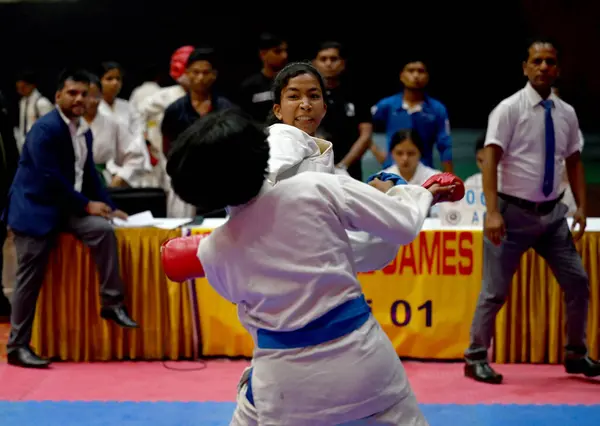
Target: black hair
(202, 54)
(269, 41)
(331, 44)
(77, 75)
(412, 59)
(283, 78)
(28, 76)
(95, 80)
(194, 162)
(109, 66)
(480, 142)
(540, 40)
(404, 134)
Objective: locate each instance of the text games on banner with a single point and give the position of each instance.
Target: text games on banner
(424, 299)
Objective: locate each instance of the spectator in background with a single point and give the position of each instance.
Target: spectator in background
(347, 124)
(414, 109)
(406, 149)
(56, 188)
(202, 73)
(149, 87)
(111, 76)
(32, 105)
(201, 100)
(255, 92)
(120, 158)
(151, 111)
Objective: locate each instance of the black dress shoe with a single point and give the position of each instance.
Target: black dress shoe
(481, 371)
(582, 365)
(118, 315)
(25, 357)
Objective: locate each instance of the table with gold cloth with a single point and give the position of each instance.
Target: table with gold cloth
(424, 301)
(68, 324)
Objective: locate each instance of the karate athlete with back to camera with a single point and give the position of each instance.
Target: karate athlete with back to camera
(320, 357)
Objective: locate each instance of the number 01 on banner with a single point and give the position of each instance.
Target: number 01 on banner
(423, 300)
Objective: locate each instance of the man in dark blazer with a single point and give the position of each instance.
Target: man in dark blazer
(56, 188)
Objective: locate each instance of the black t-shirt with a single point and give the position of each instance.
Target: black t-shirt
(181, 114)
(345, 111)
(256, 97)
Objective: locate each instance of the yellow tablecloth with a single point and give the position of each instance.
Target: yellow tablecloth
(425, 302)
(68, 324)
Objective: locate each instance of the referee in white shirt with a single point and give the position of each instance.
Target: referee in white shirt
(529, 137)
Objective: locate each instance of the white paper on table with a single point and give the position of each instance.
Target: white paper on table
(138, 220)
(171, 223)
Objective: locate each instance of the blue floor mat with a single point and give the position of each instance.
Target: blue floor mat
(219, 413)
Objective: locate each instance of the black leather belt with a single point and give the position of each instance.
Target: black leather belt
(543, 207)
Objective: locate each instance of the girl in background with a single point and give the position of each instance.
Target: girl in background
(406, 148)
(111, 77)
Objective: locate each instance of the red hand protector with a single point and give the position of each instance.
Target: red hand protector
(179, 257)
(447, 179)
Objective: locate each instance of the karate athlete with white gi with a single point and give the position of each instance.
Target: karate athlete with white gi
(299, 105)
(284, 258)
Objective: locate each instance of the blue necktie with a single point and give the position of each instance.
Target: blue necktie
(548, 184)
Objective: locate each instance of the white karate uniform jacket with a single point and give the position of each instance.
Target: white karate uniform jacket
(293, 151)
(293, 265)
(115, 147)
(121, 110)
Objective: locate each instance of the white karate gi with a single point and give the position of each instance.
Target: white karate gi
(292, 266)
(151, 112)
(116, 149)
(293, 151)
(121, 110)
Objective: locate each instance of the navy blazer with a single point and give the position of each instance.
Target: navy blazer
(42, 194)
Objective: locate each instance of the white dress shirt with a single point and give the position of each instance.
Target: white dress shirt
(517, 125)
(78, 129)
(31, 108)
(118, 150)
(293, 265)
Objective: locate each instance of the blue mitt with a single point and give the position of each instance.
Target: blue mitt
(383, 176)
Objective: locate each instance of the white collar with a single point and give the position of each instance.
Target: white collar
(82, 125)
(534, 97)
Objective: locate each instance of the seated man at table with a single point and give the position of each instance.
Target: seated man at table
(54, 190)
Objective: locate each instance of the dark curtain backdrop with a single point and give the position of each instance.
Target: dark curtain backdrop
(474, 50)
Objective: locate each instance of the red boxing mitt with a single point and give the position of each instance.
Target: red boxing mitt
(179, 258)
(447, 179)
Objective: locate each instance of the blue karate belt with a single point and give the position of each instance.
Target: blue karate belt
(384, 176)
(338, 322)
